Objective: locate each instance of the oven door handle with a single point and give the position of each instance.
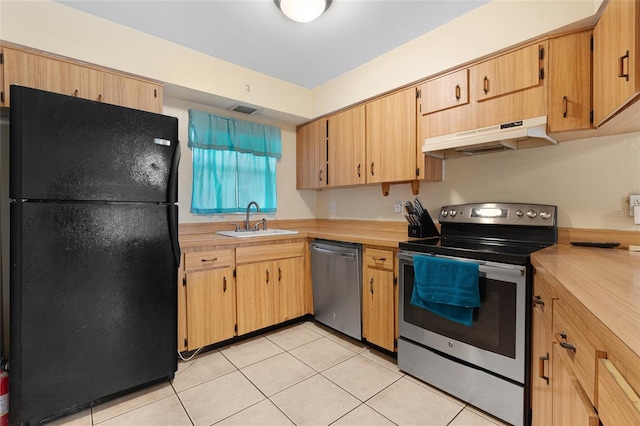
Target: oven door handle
(515, 272)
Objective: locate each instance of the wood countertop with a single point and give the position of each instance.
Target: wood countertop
(605, 281)
(374, 233)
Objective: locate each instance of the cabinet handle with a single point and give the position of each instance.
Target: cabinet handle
(279, 274)
(566, 345)
(621, 74)
(75, 93)
(538, 300)
(371, 285)
(379, 259)
(267, 273)
(320, 175)
(485, 85)
(541, 361)
(224, 284)
(372, 169)
(358, 170)
(457, 92)
(209, 260)
(565, 101)
(100, 98)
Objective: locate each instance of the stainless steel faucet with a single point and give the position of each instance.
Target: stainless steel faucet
(246, 221)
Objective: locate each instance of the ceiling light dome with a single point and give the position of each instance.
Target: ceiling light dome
(303, 10)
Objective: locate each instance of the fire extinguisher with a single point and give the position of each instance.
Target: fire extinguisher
(4, 398)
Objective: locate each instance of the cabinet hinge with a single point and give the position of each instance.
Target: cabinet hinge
(155, 93)
(395, 343)
(2, 96)
(541, 75)
(186, 343)
(417, 171)
(395, 280)
(184, 281)
(234, 273)
(418, 93)
(541, 53)
(591, 42)
(1, 58)
(591, 117)
(235, 328)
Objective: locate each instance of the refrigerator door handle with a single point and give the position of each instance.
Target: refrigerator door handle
(173, 229)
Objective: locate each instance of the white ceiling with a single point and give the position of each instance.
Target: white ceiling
(254, 34)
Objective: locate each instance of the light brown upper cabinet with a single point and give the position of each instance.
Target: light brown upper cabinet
(391, 137)
(569, 97)
(347, 147)
(311, 153)
(616, 59)
(510, 86)
(45, 72)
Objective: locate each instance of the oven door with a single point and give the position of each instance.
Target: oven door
(496, 339)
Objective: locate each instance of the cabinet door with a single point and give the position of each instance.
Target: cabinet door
(570, 403)
(508, 73)
(290, 275)
(616, 59)
(346, 147)
(569, 99)
(311, 152)
(391, 138)
(211, 299)
(448, 91)
(256, 296)
(378, 313)
(124, 91)
(541, 352)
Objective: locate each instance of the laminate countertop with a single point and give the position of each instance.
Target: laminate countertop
(604, 281)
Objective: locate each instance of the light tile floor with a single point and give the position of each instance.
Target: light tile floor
(304, 374)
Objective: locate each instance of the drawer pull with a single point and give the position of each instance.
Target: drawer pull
(566, 345)
(485, 85)
(379, 259)
(209, 260)
(457, 92)
(538, 300)
(542, 359)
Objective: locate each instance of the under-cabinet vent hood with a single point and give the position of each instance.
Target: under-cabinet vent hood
(516, 134)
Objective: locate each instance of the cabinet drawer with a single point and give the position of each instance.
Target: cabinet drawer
(269, 252)
(379, 259)
(618, 404)
(580, 353)
(543, 298)
(207, 259)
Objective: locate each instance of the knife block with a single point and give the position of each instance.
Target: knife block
(426, 229)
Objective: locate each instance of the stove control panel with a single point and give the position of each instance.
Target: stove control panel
(500, 214)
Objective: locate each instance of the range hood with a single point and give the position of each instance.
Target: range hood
(516, 134)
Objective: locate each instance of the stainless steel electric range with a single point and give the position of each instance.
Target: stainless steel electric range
(486, 364)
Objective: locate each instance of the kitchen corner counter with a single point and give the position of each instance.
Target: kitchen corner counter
(604, 281)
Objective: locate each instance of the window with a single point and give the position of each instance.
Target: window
(234, 163)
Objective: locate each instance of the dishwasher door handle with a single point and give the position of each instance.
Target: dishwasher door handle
(333, 253)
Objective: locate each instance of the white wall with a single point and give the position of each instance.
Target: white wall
(292, 204)
(589, 180)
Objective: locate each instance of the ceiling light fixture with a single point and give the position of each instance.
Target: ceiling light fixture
(303, 10)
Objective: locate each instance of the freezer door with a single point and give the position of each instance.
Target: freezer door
(66, 148)
(93, 303)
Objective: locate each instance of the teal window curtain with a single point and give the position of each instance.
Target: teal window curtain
(234, 163)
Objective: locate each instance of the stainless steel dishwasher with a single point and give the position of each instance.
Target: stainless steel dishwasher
(336, 272)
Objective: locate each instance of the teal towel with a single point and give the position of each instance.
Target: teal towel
(446, 287)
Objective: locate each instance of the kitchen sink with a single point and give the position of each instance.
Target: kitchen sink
(256, 233)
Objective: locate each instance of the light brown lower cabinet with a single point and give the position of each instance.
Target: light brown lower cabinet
(211, 307)
(541, 353)
(571, 405)
(379, 298)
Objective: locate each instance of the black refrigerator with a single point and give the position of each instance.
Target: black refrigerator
(93, 252)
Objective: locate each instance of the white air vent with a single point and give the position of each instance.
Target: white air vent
(244, 109)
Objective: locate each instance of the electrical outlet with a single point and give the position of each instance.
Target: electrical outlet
(632, 202)
(332, 207)
(397, 207)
